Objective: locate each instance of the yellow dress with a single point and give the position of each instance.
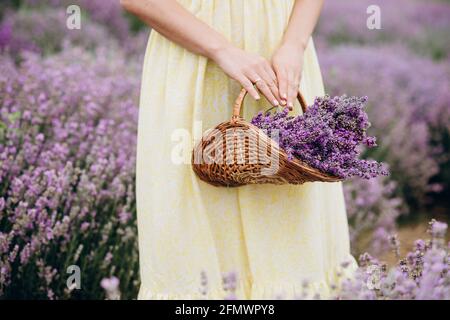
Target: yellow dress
(273, 237)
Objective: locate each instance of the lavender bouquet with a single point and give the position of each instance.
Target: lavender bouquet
(328, 136)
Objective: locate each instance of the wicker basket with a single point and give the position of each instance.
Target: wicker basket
(236, 153)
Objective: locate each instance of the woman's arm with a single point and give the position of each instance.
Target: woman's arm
(176, 23)
(288, 59)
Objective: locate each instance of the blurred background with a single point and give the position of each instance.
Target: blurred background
(69, 106)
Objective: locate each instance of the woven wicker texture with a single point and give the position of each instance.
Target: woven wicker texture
(236, 153)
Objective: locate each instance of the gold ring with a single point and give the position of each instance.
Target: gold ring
(258, 80)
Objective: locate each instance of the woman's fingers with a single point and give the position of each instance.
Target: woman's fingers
(292, 89)
(260, 82)
(252, 70)
(271, 80)
(248, 85)
(282, 84)
(264, 88)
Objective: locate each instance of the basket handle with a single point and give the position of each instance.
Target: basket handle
(240, 99)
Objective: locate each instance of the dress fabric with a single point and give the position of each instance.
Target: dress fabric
(274, 238)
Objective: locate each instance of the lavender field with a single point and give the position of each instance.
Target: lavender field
(69, 107)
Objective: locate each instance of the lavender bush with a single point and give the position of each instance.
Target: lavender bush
(67, 157)
(106, 13)
(68, 126)
(372, 210)
(41, 28)
(327, 136)
(422, 275)
(421, 26)
(408, 106)
(45, 31)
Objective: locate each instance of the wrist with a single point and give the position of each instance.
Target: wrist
(215, 50)
(298, 46)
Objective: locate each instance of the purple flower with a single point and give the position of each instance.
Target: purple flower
(419, 25)
(410, 123)
(110, 284)
(327, 136)
(424, 274)
(68, 165)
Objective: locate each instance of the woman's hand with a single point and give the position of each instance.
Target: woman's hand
(179, 25)
(287, 62)
(248, 69)
(277, 81)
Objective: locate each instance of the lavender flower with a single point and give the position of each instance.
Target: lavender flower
(111, 287)
(410, 122)
(419, 25)
(327, 137)
(67, 166)
(424, 274)
(372, 210)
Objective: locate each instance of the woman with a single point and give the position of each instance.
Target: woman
(274, 238)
